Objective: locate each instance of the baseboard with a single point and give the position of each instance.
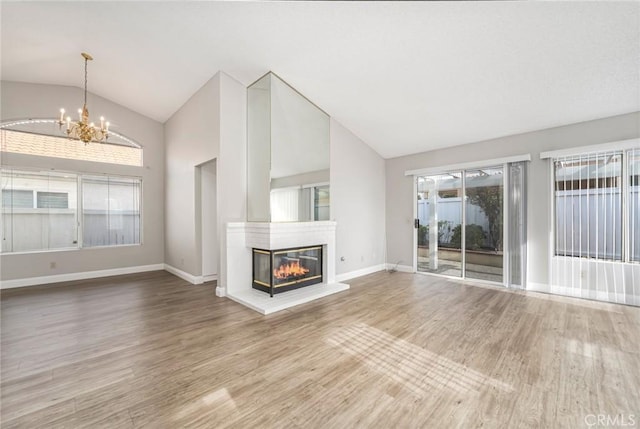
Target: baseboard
(57, 278)
(196, 280)
(210, 278)
(221, 291)
(400, 268)
(537, 287)
(358, 273)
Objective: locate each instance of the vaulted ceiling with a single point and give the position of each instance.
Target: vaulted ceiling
(404, 76)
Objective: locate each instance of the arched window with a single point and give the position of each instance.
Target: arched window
(41, 137)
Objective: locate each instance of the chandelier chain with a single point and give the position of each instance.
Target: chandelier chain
(85, 81)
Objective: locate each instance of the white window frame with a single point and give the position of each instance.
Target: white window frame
(313, 187)
(79, 210)
(624, 147)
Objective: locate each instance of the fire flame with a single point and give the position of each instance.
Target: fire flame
(292, 269)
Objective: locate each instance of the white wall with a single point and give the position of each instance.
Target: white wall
(23, 100)
(232, 164)
(357, 201)
(210, 125)
(299, 140)
(259, 149)
(192, 137)
(311, 178)
(399, 188)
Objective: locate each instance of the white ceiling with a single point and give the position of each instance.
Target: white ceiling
(404, 76)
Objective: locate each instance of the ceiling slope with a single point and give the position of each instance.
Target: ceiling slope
(405, 77)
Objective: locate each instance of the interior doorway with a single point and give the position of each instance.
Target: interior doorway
(209, 220)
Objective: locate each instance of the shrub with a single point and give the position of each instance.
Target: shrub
(474, 239)
(422, 235)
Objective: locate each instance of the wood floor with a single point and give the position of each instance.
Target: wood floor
(395, 351)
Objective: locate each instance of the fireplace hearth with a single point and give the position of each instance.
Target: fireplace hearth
(276, 271)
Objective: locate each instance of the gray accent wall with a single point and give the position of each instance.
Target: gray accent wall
(399, 188)
(357, 201)
(25, 100)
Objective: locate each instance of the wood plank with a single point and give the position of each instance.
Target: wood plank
(396, 350)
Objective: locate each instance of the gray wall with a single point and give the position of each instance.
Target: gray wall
(399, 188)
(22, 100)
(210, 125)
(192, 137)
(357, 201)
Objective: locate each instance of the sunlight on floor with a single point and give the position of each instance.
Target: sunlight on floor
(217, 399)
(413, 367)
(578, 302)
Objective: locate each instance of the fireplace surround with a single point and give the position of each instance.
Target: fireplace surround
(242, 237)
(276, 271)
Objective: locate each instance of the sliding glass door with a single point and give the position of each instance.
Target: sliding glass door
(484, 204)
(439, 224)
(462, 228)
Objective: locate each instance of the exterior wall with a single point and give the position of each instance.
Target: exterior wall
(399, 188)
(23, 100)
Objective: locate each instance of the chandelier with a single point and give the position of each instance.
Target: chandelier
(83, 129)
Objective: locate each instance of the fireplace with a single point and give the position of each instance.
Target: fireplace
(276, 271)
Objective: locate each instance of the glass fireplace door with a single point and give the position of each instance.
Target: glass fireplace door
(276, 271)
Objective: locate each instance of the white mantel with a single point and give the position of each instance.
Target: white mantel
(242, 237)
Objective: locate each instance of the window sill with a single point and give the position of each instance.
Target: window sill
(69, 249)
